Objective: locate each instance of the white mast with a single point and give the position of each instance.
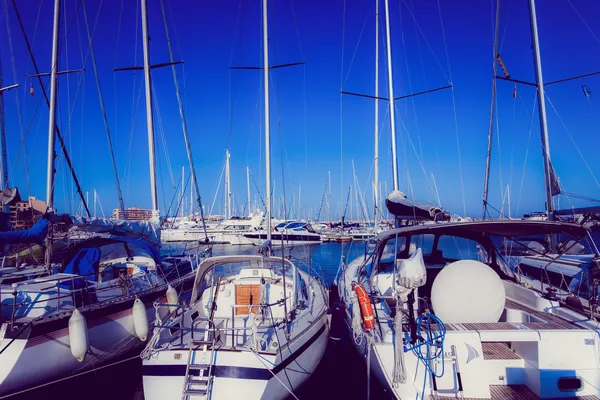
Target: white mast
(192, 198)
(182, 212)
(267, 117)
(228, 183)
(149, 113)
(95, 199)
(248, 187)
(391, 96)
(52, 110)
(376, 167)
(542, 111)
(492, 108)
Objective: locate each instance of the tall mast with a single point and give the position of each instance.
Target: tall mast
(542, 110)
(149, 113)
(228, 183)
(376, 167)
(95, 199)
(391, 96)
(182, 212)
(492, 108)
(52, 110)
(267, 118)
(248, 187)
(3, 148)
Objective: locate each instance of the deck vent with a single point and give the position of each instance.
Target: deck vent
(569, 384)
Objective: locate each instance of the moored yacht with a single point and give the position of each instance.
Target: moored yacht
(290, 233)
(256, 328)
(438, 312)
(86, 310)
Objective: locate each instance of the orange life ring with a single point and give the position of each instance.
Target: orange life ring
(368, 321)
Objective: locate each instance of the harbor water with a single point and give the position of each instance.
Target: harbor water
(341, 374)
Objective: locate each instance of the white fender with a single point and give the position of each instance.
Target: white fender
(172, 297)
(140, 319)
(78, 335)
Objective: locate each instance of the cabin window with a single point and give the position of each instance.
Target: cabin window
(423, 242)
(452, 248)
(394, 248)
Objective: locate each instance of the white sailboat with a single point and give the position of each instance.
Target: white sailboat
(256, 326)
(438, 312)
(93, 306)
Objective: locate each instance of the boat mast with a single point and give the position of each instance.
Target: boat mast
(182, 211)
(391, 98)
(376, 167)
(149, 113)
(248, 187)
(3, 148)
(492, 108)
(542, 111)
(52, 110)
(267, 118)
(228, 183)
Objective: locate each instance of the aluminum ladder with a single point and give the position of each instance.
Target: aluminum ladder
(452, 360)
(199, 373)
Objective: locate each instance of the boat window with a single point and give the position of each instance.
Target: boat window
(113, 251)
(310, 229)
(423, 242)
(281, 225)
(457, 248)
(295, 225)
(392, 250)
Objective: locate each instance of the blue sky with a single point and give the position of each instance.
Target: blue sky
(224, 107)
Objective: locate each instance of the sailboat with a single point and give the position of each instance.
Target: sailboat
(94, 303)
(256, 326)
(437, 311)
(567, 268)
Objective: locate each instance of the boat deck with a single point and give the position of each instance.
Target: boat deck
(516, 392)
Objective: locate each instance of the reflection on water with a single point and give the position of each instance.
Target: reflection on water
(341, 374)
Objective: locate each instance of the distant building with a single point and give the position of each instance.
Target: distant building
(24, 214)
(133, 214)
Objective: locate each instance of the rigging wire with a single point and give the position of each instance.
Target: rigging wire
(18, 97)
(583, 20)
(531, 122)
(342, 103)
(134, 104)
(103, 110)
(414, 110)
(115, 75)
(574, 143)
(462, 185)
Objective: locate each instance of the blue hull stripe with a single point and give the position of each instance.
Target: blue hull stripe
(222, 371)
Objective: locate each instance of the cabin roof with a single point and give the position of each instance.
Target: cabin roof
(506, 228)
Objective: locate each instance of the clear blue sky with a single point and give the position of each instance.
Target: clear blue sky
(224, 107)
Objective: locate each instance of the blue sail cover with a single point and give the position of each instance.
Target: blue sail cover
(35, 234)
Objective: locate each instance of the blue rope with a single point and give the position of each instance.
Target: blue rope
(434, 339)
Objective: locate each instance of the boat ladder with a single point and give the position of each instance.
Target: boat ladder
(451, 359)
(200, 367)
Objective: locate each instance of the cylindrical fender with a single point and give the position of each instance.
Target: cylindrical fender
(140, 319)
(78, 335)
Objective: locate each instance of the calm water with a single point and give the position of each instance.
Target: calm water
(341, 374)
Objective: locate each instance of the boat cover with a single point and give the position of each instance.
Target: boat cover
(85, 263)
(403, 208)
(145, 230)
(35, 234)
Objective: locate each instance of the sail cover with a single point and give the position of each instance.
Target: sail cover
(144, 230)
(35, 234)
(403, 208)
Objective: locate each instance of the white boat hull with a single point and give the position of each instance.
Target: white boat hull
(241, 374)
